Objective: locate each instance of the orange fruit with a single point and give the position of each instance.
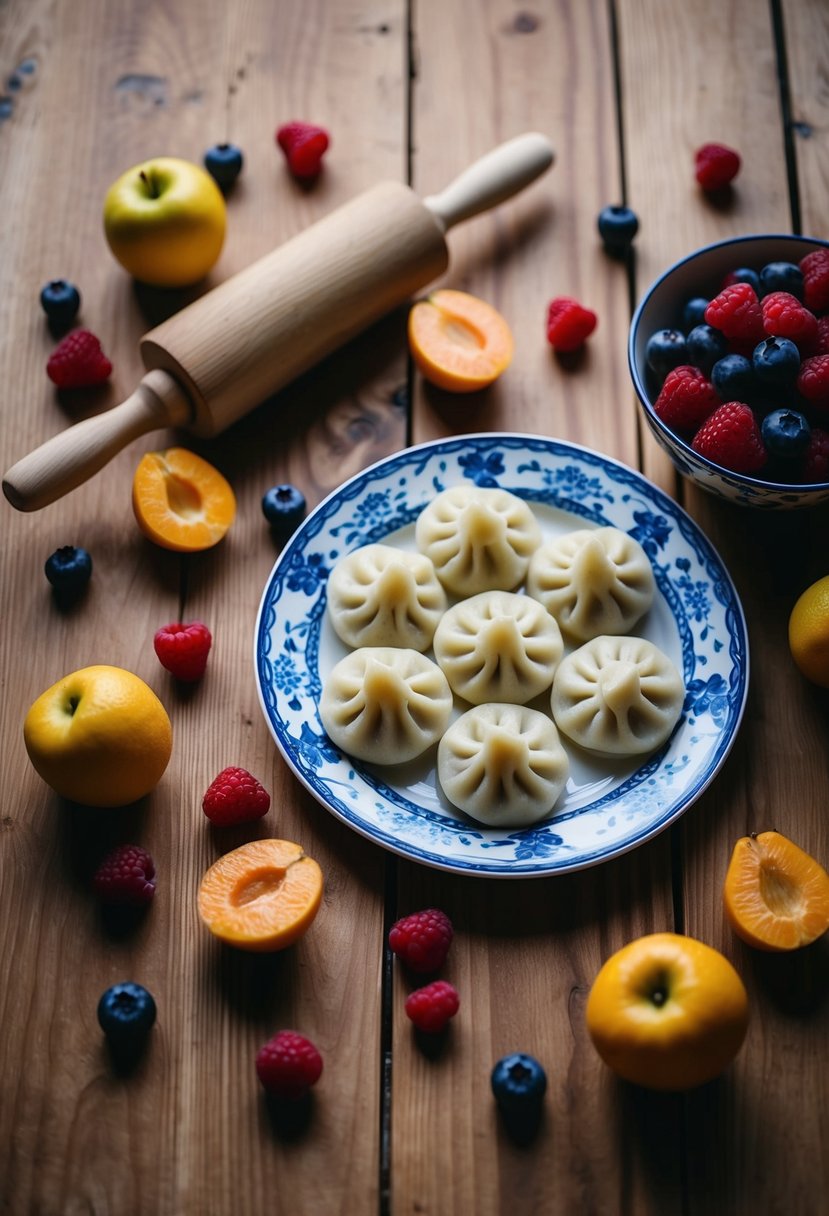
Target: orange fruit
(776, 896)
(261, 896)
(180, 501)
(667, 1012)
(459, 342)
(809, 632)
(99, 736)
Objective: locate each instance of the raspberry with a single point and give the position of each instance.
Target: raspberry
(813, 380)
(816, 459)
(568, 323)
(78, 361)
(716, 166)
(183, 649)
(815, 269)
(235, 796)
(430, 1008)
(731, 437)
(686, 399)
(288, 1065)
(126, 876)
(303, 145)
(422, 940)
(821, 343)
(785, 317)
(736, 312)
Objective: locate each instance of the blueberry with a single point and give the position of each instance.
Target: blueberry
(69, 569)
(733, 378)
(60, 301)
(666, 350)
(518, 1081)
(776, 361)
(224, 163)
(283, 508)
(693, 312)
(126, 1013)
(781, 276)
(786, 433)
(744, 274)
(617, 228)
(705, 346)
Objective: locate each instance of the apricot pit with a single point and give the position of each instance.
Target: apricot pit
(459, 342)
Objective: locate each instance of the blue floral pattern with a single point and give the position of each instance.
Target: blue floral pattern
(605, 811)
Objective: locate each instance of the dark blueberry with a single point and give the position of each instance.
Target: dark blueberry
(733, 378)
(776, 361)
(617, 228)
(283, 508)
(744, 274)
(518, 1080)
(60, 301)
(781, 276)
(224, 163)
(693, 312)
(666, 350)
(69, 569)
(705, 346)
(126, 1013)
(786, 433)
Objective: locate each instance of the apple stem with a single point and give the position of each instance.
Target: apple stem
(149, 184)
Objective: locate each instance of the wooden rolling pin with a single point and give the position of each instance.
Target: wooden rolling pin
(225, 353)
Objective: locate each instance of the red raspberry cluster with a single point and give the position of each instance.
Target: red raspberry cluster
(421, 941)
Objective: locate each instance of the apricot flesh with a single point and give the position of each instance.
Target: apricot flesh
(458, 341)
(776, 896)
(262, 896)
(180, 501)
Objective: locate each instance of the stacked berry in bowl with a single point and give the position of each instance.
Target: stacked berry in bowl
(729, 354)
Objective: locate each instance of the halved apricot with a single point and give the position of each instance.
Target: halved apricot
(459, 342)
(261, 896)
(180, 501)
(776, 896)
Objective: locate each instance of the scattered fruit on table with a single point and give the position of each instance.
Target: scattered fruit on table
(431, 1008)
(126, 1014)
(667, 1012)
(518, 1082)
(715, 166)
(288, 1065)
(99, 736)
(224, 164)
(180, 501)
(262, 896)
(617, 226)
(809, 632)
(234, 797)
(183, 649)
(165, 221)
(421, 940)
(284, 508)
(776, 896)
(61, 301)
(731, 437)
(68, 569)
(569, 324)
(304, 145)
(125, 876)
(78, 361)
(459, 342)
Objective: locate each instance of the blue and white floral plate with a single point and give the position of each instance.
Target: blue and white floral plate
(607, 808)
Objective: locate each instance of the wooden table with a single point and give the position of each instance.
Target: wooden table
(626, 91)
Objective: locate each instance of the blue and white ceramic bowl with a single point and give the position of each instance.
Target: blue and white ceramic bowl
(607, 807)
(701, 274)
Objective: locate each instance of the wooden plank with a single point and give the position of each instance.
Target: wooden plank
(188, 1133)
(526, 952)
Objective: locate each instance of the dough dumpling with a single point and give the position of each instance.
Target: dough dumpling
(479, 539)
(593, 581)
(382, 596)
(619, 696)
(503, 765)
(498, 646)
(384, 704)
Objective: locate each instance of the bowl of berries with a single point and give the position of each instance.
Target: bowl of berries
(729, 354)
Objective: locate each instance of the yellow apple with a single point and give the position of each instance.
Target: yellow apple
(165, 221)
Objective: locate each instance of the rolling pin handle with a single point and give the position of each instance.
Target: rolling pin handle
(71, 457)
(492, 179)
